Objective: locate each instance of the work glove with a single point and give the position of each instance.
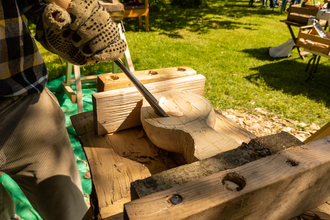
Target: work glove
(85, 35)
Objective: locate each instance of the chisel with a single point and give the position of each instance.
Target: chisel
(146, 94)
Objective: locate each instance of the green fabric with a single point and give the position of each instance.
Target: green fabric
(22, 205)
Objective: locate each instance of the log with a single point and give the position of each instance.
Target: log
(188, 130)
(280, 186)
(120, 109)
(109, 81)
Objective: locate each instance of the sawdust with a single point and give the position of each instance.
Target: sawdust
(261, 122)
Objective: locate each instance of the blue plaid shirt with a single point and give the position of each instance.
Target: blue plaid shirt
(22, 69)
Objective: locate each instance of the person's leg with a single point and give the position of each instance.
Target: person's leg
(37, 154)
(7, 206)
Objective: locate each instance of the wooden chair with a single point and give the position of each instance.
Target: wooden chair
(298, 17)
(133, 11)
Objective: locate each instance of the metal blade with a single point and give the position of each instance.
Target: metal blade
(146, 94)
(321, 31)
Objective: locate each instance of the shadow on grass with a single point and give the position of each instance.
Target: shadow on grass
(170, 18)
(289, 76)
(262, 54)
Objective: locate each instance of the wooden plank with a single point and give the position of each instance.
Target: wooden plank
(303, 11)
(107, 82)
(117, 160)
(301, 19)
(69, 92)
(321, 133)
(78, 88)
(86, 79)
(314, 38)
(316, 53)
(120, 109)
(280, 186)
(255, 149)
(136, 13)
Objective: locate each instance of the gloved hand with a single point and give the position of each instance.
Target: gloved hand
(85, 36)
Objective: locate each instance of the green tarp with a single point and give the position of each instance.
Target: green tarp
(22, 205)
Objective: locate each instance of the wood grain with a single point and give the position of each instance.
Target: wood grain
(280, 186)
(99, 150)
(190, 132)
(252, 150)
(120, 109)
(117, 160)
(108, 82)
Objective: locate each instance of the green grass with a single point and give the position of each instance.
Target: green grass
(227, 43)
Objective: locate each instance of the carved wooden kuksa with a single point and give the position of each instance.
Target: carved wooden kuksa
(188, 130)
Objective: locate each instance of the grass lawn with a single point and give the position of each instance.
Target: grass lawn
(227, 43)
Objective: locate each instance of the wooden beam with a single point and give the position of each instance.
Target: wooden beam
(107, 82)
(256, 148)
(280, 186)
(120, 109)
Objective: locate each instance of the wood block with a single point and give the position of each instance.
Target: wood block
(277, 187)
(256, 148)
(120, 109)
(107, 82)
(189, 128)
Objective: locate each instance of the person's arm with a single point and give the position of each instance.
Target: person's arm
(81, 32)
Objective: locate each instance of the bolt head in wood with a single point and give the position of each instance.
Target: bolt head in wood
(176, 199)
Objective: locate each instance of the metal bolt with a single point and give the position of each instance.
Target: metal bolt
(176, 199)
(292, 163)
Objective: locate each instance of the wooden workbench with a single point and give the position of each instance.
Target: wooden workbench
(120, 158)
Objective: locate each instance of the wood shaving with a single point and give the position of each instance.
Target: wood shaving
(261, 122)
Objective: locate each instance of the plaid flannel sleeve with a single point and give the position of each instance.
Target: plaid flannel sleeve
(22, 69)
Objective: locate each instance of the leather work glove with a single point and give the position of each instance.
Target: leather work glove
(85, 35)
